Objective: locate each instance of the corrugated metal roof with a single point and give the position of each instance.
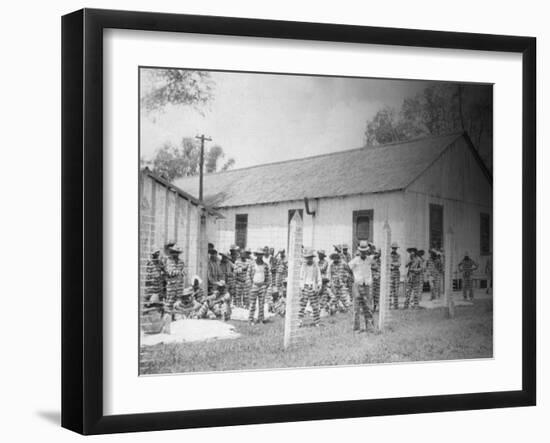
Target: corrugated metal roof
(358, 171)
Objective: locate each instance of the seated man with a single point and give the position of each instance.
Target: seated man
(198, 292)
(279, 300)
(186, 306)
(217, 304)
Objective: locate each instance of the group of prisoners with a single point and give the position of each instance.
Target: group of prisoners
(257, 281)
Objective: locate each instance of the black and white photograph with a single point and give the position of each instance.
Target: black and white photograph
(296, 221)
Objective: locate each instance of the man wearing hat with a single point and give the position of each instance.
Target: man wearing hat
(339, 273)
(214, 271)
(175, 274)
(310, 285)
(414, 278)
(395, 275)
(259, 276)
(234, 253)
(186, 306)
(240, 271)
(154, 277)
(217, 304)
(434, 270)
(345, 253)
(228, 273)
(362, 282)
(467, 267)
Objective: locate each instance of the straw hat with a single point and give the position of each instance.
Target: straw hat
(363, 246)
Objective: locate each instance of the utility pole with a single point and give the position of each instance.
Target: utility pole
(202, 252)
(202, 138)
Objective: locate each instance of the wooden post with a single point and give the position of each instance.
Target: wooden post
(203, 250)
(384, 302)
(293, 280)
(448, 255)
(187, 206)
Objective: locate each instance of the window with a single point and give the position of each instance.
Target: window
(436, 226)
(362, 227)
(485, 234)
(291, 213)
(241, 227)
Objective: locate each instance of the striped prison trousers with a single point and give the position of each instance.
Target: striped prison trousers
(341, 299)
(395, 276)
(414, 288)
(241, 293)
(309, 294)
(435, 285)
(376, 290)
(256, 292)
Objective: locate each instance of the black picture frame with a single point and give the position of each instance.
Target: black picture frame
(82, 220)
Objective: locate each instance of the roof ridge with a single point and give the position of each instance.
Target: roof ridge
(345, 151)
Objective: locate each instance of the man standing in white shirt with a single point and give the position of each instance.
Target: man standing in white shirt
(310, 285)
(362, 284)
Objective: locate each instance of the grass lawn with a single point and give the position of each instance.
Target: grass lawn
(420, 335)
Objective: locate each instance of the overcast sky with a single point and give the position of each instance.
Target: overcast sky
(262, 118)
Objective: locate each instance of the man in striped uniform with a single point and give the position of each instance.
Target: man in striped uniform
(339, 273)
(279, 304)
(362, 283)
(186, 306)
(467, 267)
(414, 279)
(154, 278)
(395, 275)
(259, 276)
(228, 273)
(434, 269)
(281, 271)
(310, 285)
(240, 271)
(175, 274)
(375, 272)
(217, 304)
(324, 293)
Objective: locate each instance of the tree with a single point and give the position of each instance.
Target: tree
(439, 109)
(213, 157)
(175, 161)
(383, 128)
(161, 87)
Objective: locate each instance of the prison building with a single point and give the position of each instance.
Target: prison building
(421, 187)
(168, 213)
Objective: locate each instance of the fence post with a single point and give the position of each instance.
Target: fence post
(293, 279)
(448, 256)
(383, 304)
